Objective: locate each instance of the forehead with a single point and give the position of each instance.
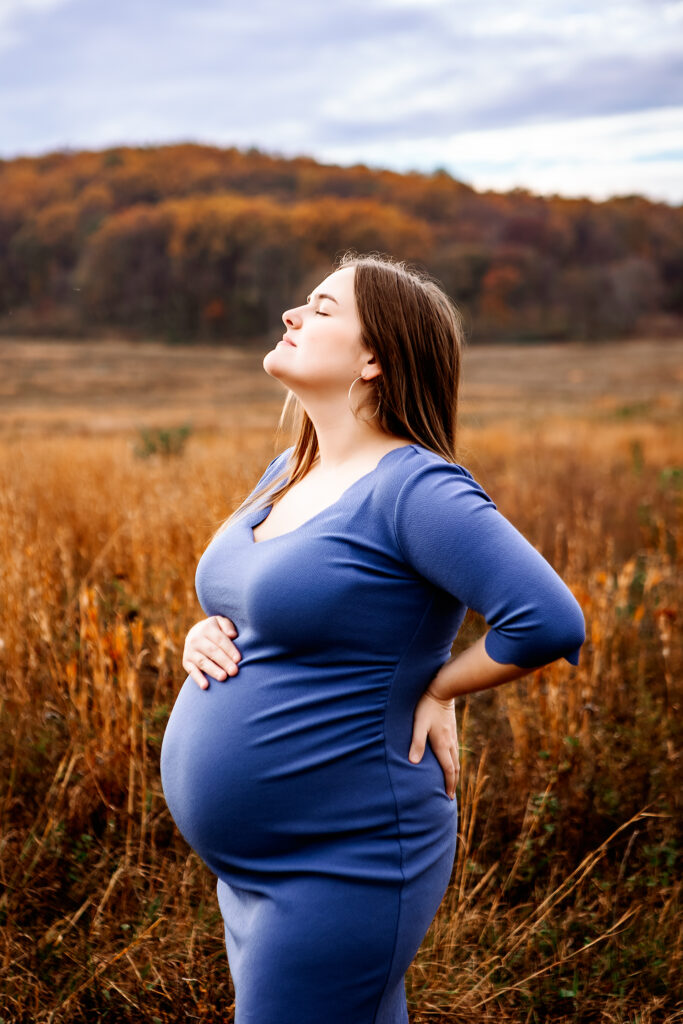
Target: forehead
(339, 284)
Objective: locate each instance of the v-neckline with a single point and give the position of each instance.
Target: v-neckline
(268, 508)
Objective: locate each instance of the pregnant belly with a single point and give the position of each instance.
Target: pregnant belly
(260, 765)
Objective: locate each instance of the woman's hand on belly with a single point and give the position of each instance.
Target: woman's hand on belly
(434, 719)
(209, 648)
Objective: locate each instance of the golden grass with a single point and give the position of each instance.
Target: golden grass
(565, 899)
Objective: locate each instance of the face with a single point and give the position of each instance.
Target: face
(321, 352)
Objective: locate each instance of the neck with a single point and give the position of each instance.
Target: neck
(341, 437)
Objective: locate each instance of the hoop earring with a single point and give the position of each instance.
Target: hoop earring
(349, 398)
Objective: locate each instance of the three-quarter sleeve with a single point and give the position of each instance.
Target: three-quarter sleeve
(450, 531)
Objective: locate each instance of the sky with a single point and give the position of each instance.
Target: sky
(576, 97)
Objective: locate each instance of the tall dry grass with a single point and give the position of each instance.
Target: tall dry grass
(564, 901)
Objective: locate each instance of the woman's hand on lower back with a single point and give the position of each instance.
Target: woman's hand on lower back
(434, 719)
(209, 648)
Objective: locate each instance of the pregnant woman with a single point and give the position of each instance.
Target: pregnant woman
(311, 756)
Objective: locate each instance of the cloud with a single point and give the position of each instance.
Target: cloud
(12, 13)
(599, 156)
(396, 82)
(10, 9)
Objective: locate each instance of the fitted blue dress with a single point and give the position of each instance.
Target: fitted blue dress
(291, 780)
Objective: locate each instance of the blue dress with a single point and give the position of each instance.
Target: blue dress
(291, 780)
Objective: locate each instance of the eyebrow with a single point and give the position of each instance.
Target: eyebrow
(320, 295)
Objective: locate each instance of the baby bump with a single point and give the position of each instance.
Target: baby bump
(259, 764)
(202, 776)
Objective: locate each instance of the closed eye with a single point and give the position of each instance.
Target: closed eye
(318, 313)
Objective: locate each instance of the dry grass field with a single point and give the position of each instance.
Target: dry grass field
(564, 904)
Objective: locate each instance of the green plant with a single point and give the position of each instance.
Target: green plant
(162, 441)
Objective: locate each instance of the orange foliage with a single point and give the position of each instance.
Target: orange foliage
(246, 228)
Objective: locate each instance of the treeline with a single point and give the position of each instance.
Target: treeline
(189, 241)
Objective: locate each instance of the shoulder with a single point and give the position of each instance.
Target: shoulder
(277, 464)
(427, 499)
(272, 469)
(422, 473)
(433, 501)
(281, 459)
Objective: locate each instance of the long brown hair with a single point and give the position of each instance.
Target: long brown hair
(415, 332)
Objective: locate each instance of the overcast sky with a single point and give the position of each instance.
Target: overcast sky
(580, 97)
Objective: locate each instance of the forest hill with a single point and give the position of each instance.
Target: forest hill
(196, 242)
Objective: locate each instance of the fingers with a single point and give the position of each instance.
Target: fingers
(205, 665)
(446, 756)
(209, 649)
(198, 677)
(224, 660)
(226, 625)
(448, 759)
(219, 631)
(451, 775)
(417, 745)
(434, 721)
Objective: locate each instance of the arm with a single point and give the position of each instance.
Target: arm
(450, 531)
(471, 670)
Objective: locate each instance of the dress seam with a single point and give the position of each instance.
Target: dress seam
(396, 504)
(417, 629)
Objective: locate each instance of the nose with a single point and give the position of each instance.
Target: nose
(291, 318)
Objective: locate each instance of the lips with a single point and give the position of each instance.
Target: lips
(288, 341)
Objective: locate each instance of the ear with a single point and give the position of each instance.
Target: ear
(372, 369)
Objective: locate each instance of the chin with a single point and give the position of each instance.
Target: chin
(270, 364)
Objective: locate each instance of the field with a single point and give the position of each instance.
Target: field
(564, 904)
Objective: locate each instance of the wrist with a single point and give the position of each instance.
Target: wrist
(442, 699)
